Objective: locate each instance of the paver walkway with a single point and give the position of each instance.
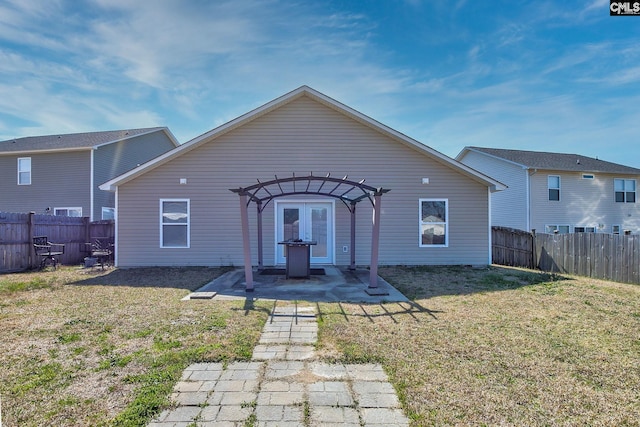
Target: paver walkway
(284, 385)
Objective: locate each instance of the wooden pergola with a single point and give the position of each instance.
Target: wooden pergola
(349, 192)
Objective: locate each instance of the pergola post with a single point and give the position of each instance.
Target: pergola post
(260, 260)
(246, 246)
(352, 266)
(375, 241)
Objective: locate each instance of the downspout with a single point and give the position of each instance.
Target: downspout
(115, 236)
(91, 190)
(490, 228)
(528, 185)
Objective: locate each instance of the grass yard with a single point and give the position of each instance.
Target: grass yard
(499, 346)
(496, 346)
(84, 347)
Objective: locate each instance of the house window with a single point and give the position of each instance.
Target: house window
(108, 213)
(556, 229)
(174, 223)
(625, 190)
(434, 225)
(587, 176)
(554, 187)
(582, 229)
(76, 212)
(615, 229)
(24, 171)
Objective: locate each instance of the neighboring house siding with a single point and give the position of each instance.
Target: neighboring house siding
(117, 158)
(57, 180)
(508, 207)
(583, 202)
(303, 136)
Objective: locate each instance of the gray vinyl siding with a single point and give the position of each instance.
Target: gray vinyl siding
(117, 158)
(508, 207)
(302, 136)
(583, 202)
(57, 180)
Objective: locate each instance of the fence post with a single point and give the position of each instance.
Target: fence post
(87, 229)
(31, 227)
(534, 257)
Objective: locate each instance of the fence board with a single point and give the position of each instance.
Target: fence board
(18, 229)
(613, 257)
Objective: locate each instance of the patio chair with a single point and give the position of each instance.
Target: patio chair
(48, 251)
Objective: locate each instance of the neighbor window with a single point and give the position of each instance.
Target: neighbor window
(615, 229)
(554, 187)
(587, 176)
(559, 229)
(174, 223)
(625, 190)
(434, 222)
(581, 229)
(77, 212)
(24, 171)
(108, 213)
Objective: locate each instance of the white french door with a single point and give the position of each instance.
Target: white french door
(306, 221)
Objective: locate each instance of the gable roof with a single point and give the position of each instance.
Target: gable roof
(75, 141)
(283, 100)
(553, 161)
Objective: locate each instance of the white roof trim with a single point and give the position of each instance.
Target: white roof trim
(52, 150)
(465, 150)
(284, 99)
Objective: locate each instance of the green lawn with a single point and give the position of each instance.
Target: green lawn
(499, 347)
(82, 347)
(495, 346)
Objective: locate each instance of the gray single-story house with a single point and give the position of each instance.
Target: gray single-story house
(303, 166)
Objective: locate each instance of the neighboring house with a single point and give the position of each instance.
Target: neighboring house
(178, 209)
(60, 174)
(554, 192)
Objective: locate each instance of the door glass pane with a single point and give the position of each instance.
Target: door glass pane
(319, 231)
(291, 224)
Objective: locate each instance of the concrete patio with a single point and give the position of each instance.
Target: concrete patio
(337, 284)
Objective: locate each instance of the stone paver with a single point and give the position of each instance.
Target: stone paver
(284, 385)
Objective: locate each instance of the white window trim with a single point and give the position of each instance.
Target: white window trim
(613, 231)
(624, 190)
(557, 226)
(23, 171)
(108, 209)
(188, 224)
(446, 223)
(70, 208)
(559, 188)
(595, 229)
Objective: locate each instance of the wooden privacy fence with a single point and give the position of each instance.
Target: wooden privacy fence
(18, 229)
(613, 257)
(512, 247)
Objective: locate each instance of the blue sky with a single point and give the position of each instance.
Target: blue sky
(533, 75)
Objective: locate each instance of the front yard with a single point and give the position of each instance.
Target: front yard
(495, 346)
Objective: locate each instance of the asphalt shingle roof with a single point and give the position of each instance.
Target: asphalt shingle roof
(69, 141)
(558, 161)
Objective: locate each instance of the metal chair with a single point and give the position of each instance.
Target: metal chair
(48, 251)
